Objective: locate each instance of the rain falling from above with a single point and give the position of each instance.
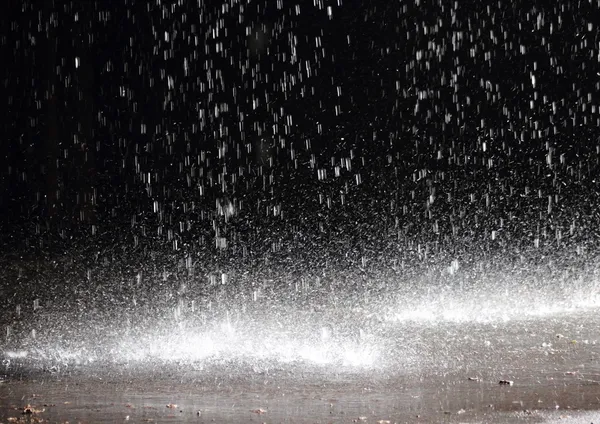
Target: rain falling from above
(187, 165)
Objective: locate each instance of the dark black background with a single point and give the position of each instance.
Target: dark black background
(74, 160)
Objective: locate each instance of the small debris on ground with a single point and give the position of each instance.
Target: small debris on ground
(473, 379)
(171, 406)
(258, 411)
(506, 382)
(31, 410)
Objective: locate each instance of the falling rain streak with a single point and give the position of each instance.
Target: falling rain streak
(310, 172)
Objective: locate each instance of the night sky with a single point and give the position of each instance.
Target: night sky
(302, 134)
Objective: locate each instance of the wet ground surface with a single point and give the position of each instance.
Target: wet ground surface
(422, 372)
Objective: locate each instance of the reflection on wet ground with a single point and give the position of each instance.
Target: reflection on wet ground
(410, 371)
